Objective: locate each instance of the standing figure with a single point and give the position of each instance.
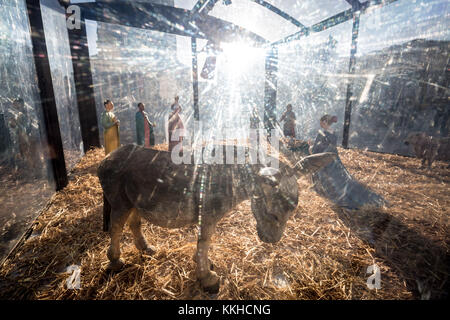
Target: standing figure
(144, 128)
(333, 181)
(110, 128)
(289, 122)
(175, 123)
(25, 133)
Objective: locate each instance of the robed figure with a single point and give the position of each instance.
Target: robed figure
(175, 125)
(334, 182)
(144, 128)
(289, 122)
(110, 128)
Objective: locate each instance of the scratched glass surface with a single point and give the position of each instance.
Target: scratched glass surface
(235, 88)
(401, 77)
(398, 83)
(26, 177)
(312, 76)
(55, 28)
(131, 65)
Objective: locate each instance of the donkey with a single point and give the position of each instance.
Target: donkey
(140, 183)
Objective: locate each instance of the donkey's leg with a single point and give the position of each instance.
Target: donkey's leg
(209, 280)
(139, 240)
(118, 219)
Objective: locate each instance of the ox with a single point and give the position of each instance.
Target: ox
(144, 183)
(429, 148)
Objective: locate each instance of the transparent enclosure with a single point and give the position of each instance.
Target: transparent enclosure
(313, 77)
(133, 65)
(341, 218)
(401, 83)
(25, 172)
(231, 90)
(54, 19)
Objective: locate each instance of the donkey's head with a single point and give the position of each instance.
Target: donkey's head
(274, 194)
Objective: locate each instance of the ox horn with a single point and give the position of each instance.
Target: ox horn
(315, 162)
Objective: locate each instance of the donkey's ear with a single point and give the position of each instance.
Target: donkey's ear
(315, 162)
(268, 171)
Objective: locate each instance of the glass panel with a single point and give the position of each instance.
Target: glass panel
(163, 2)
(185, 4)
(312, 77)
(255, 18)
(26, 177)
(309, 12)
(226, 100)
(63, 83)
(403, 75)
(134, 65)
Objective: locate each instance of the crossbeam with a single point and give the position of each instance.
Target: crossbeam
(334, 20)
(167, 19)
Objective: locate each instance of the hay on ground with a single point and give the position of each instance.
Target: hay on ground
(324, 253)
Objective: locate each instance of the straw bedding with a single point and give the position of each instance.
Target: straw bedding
(324, 253)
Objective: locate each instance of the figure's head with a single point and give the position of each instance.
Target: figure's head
(141, 106)
(175, 106)
(326, 121)
(289, 107)
(108, 105)
(274, 198)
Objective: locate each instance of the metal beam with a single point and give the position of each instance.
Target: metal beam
(203, 7)
(334, 20)
(356, 5)
(270, 89)
(84, 87)
(167, 19)
(280, 13)
(47, 95)
(195, 78)
(351, 71)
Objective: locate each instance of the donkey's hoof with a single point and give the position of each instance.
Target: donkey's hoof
(116, 265)
(149, 251)
(211, 283)
(213, 289)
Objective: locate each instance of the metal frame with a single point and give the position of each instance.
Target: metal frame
(196, 23)
(351, 71)
(270, 88)
(195, 77)
(53, 148)
(84, 87)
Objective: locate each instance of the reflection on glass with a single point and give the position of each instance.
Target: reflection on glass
(25, 173)
(255, 18)
(402, 75)
(312, 76)
(62, 77)
(134, 65)
(228, 98)
(310, 12)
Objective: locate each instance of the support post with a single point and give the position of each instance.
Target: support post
(84, 84)
(351, 71)
(195, 77)
(270, 89)
(47, 95)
